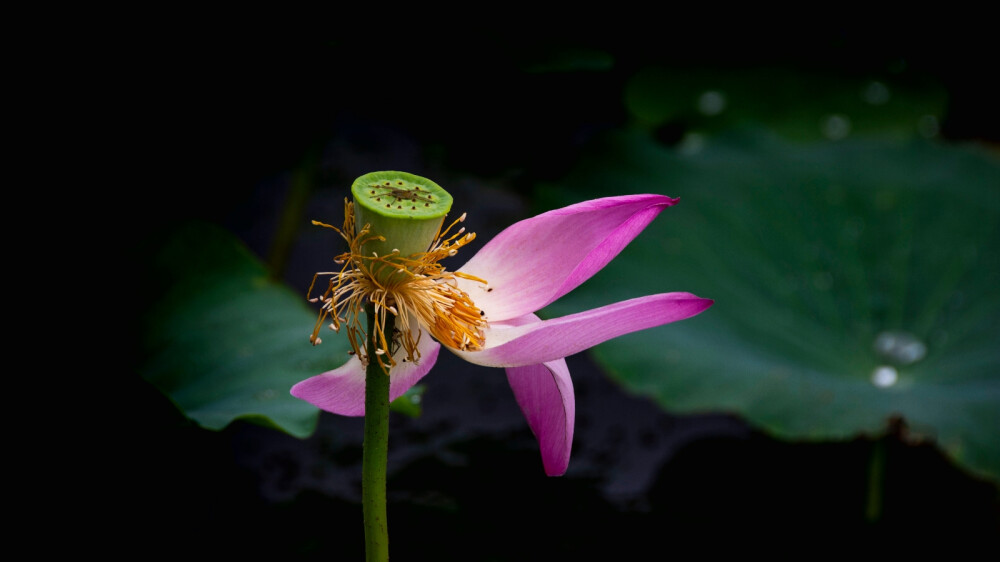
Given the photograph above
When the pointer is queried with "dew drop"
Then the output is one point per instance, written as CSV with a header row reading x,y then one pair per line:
x,y
712,102
884,376
691,144
835,127
875,93
901,348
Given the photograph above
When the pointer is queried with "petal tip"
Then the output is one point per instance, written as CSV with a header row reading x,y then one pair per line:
x,y
701,304
670,201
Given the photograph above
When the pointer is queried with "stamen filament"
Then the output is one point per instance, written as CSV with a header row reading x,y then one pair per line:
x,y
414,287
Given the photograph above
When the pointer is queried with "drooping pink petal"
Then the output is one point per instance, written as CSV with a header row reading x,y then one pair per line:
x,y
537,260
529,341
545,394
342,390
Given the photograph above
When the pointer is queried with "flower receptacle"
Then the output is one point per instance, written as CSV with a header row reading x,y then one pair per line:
x,y
404,209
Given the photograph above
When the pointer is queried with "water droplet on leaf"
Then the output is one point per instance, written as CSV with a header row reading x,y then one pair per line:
x,y
884,376
712,102
901,348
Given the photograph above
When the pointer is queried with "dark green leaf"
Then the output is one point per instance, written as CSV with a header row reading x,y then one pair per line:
x,y
225,342
827,262
409,403
797,104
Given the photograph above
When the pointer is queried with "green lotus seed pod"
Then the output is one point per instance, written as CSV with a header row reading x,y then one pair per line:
x,y
405,209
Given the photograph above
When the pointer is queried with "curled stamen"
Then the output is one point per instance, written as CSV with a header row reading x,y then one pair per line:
x,y
418,289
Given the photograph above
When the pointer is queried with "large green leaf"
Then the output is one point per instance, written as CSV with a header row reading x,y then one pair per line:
x,y
795,103
835,267
222,340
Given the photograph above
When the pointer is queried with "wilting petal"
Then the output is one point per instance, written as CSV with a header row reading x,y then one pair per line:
x,y
537,260
545,394
342,390
529,341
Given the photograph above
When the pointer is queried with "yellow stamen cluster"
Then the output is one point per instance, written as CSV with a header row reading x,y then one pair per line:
x,y
414,289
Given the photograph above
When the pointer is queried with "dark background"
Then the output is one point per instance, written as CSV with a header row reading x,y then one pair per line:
x,y
477,111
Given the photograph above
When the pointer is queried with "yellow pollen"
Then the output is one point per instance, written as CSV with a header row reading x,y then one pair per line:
x,y
419,290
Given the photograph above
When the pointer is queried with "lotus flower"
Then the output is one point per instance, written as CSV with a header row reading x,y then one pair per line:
x,y
488,314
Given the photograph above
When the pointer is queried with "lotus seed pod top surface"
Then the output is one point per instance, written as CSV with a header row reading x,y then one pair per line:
x,y
406,209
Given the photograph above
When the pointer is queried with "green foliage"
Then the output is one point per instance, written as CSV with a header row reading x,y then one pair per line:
x,y
811,252
222,340
409,403
801,105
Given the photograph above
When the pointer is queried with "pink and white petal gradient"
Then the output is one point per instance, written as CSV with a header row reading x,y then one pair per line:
x,y
528,266
529,340
342,390
535,261
545,394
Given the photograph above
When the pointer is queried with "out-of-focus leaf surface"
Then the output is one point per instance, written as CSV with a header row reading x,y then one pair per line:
x,y
812,252
409,403
567,59
799,105
222,340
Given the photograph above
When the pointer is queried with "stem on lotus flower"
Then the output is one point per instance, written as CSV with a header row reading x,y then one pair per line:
x,y
876,481
404,214
375,447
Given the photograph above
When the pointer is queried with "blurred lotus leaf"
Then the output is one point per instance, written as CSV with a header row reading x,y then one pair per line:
x,y
796,104
223,341
855,282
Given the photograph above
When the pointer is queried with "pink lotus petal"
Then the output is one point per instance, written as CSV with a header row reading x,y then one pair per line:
x,y
537,260
545,394
528,266
527,341
342,390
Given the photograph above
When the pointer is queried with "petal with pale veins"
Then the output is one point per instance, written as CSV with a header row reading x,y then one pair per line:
x,y
545,394
535,261
342,390
529,341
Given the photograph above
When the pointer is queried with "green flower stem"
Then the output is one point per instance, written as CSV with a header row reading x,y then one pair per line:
x,y
404,213
375,448
876,481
